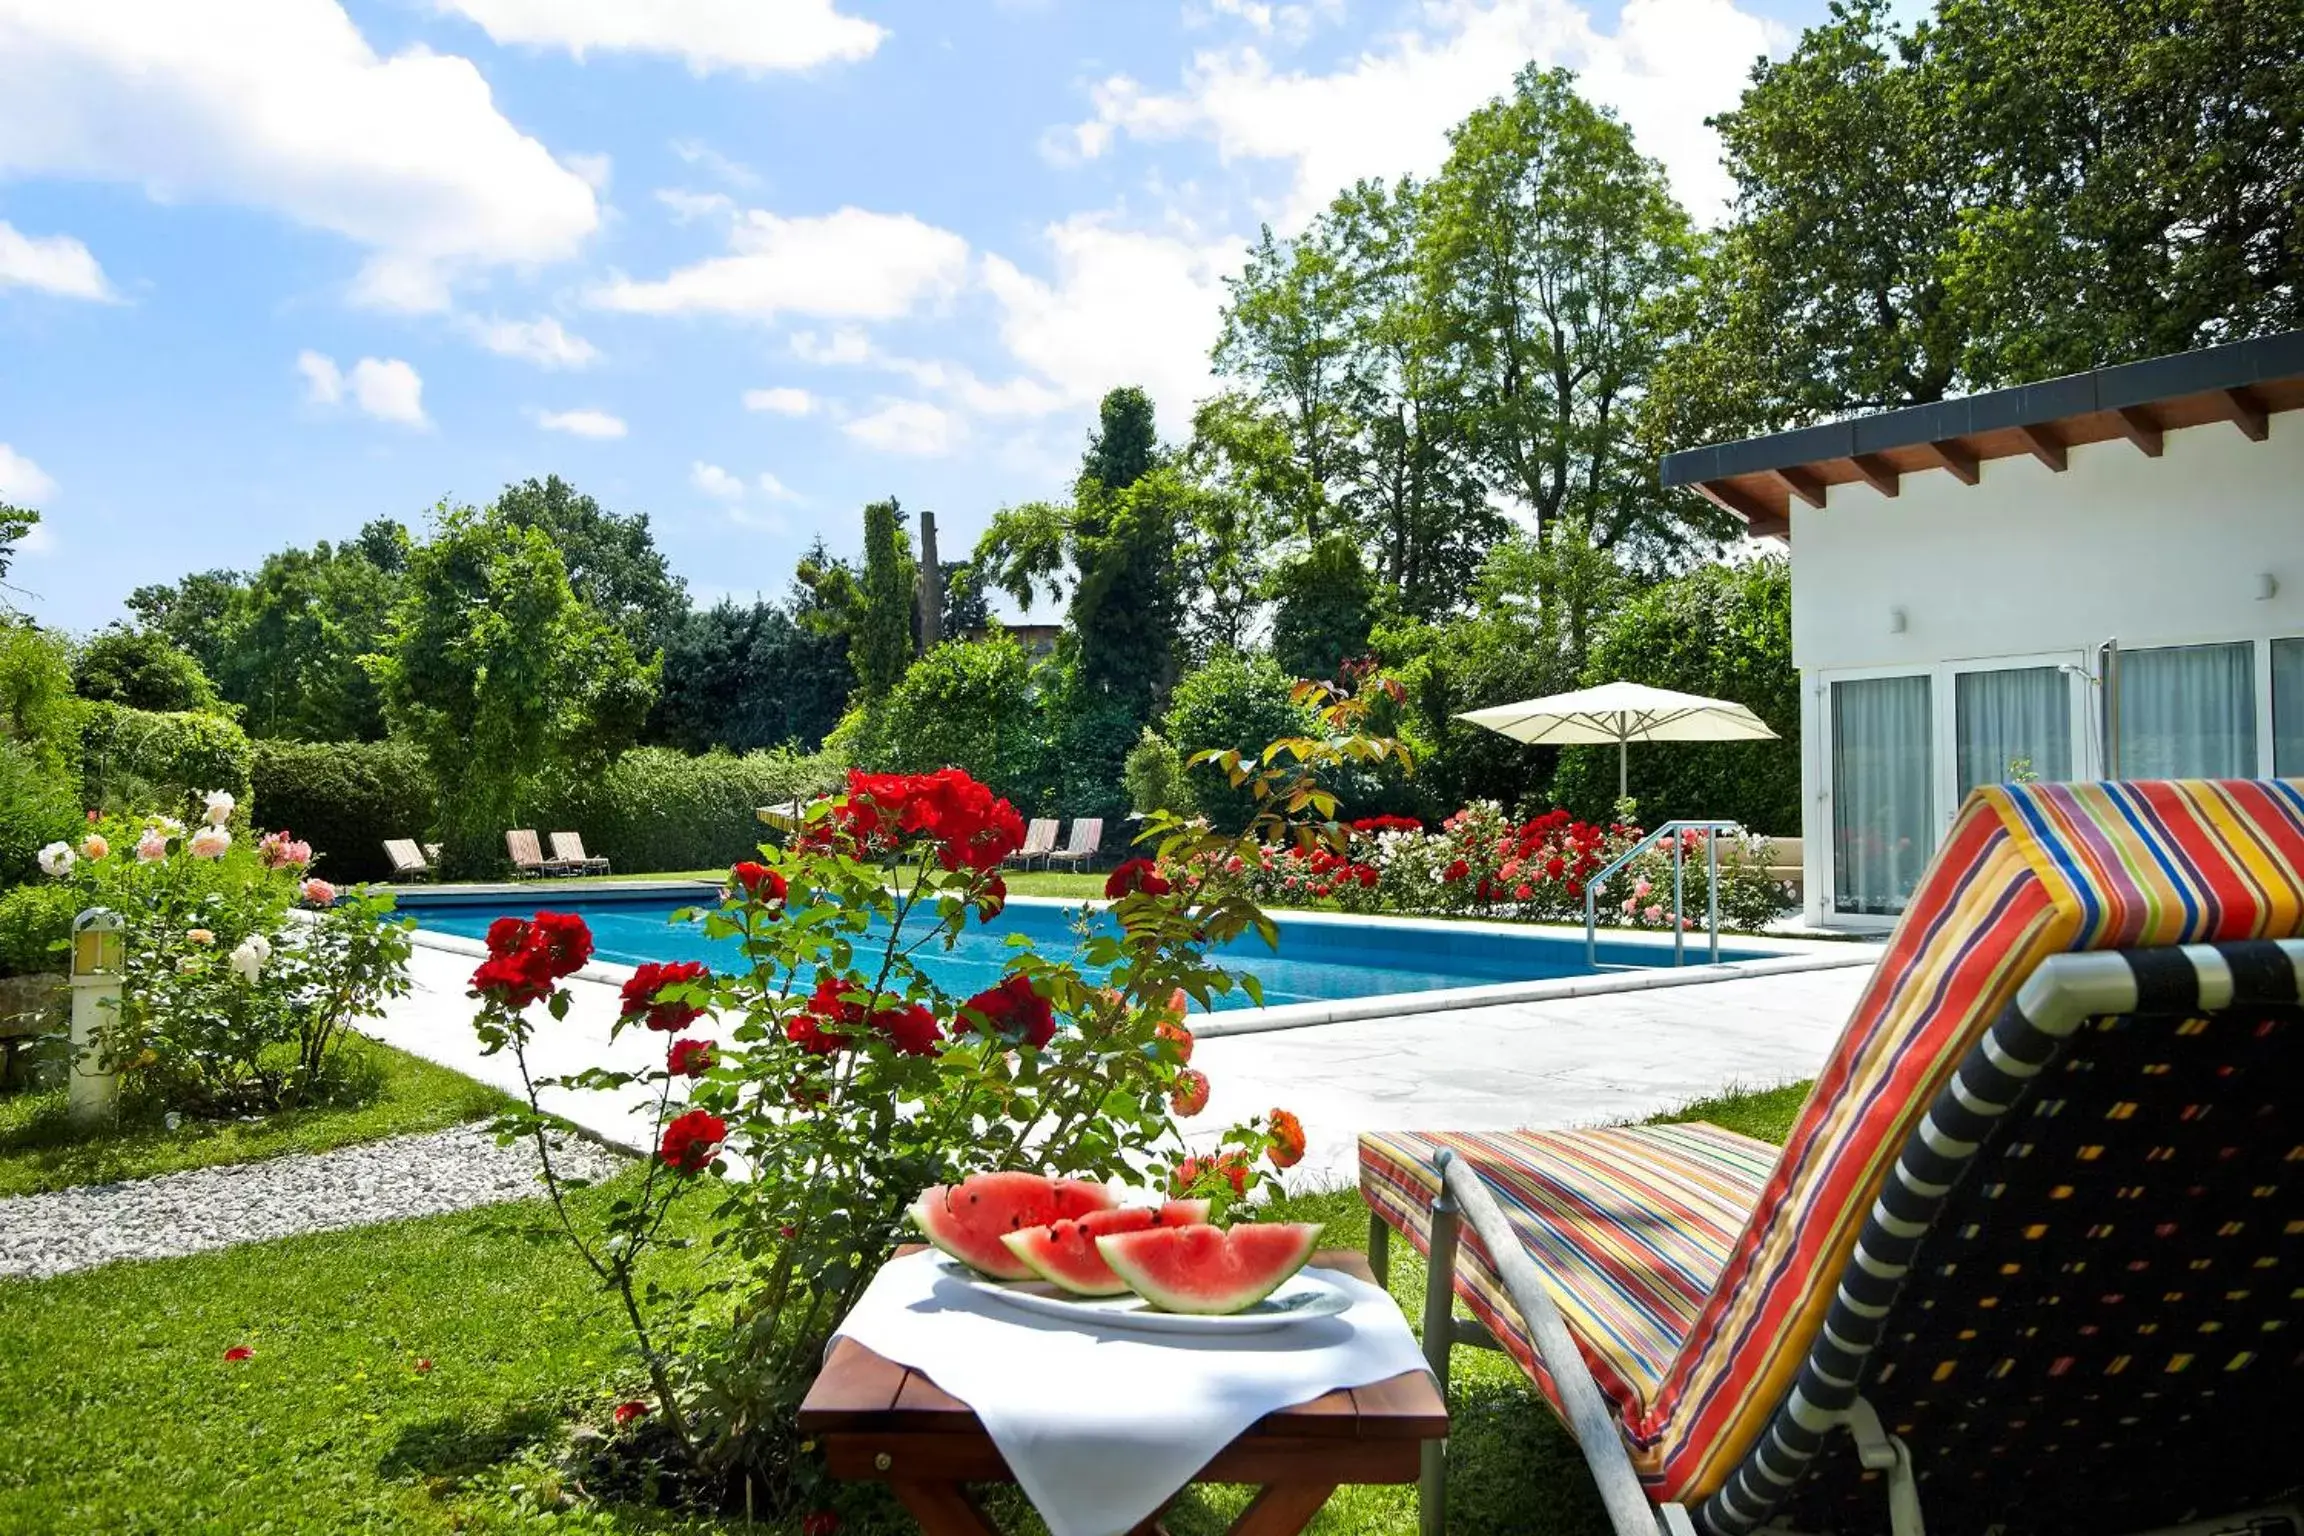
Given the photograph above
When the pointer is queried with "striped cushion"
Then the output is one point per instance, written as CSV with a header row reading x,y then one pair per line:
x,y
1633,1223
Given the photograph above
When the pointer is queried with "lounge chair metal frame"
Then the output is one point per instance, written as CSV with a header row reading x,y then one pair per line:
x,y
1938,1214
1083,847
1039,842
540,867
568,850
424,866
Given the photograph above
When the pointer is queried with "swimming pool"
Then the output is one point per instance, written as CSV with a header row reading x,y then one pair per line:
x,y
1321,957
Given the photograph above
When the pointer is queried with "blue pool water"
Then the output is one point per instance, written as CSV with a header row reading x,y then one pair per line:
x,y
1317,960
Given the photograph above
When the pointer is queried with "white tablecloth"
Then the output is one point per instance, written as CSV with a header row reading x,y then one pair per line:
x,y
1100,1425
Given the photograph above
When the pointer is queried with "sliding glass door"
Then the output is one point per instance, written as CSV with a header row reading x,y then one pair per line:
x,y
2288,708
2011,724
2188,712
1883,802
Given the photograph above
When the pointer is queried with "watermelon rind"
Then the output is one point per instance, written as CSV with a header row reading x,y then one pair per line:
x,y
1064,1253
968,1219
1179,1269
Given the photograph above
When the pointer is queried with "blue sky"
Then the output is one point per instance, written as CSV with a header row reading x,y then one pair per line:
x,y
271,268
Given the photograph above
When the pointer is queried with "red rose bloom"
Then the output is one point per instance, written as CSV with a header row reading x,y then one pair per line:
x,y
1013,1009
526,959
1167,1030
691,1058
627,1412
1287,1149
506,935
692,1140
1456,870
1189,1094
993,900
820,1522
1230,1167
563,939
758,883
807,1028
237,1353
1136,875
912,1029
640,994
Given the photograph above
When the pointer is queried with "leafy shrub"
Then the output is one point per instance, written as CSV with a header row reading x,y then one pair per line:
x,y
1725,632
130,754
1324,603
1445,669
37,708
142,669
37,807
345,798
35,922
966,704
1154,777
1236,704
655,809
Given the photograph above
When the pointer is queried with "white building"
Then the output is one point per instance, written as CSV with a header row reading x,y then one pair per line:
x,y
2096,576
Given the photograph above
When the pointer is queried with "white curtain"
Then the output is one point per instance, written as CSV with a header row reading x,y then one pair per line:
x,y
2015,723
1883,811
2188,712
2288,708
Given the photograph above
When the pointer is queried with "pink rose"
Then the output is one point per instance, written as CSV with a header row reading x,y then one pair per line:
x,y
1654,914
210,842
318,892
152,847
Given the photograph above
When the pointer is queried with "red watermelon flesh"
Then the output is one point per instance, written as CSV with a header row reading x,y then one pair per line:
x,y
1064,1253
1209,1270
968,1219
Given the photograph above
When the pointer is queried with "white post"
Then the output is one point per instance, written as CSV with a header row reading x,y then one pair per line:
x,y
96,964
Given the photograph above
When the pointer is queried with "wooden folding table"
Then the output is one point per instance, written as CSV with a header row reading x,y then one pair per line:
x,y
879,1420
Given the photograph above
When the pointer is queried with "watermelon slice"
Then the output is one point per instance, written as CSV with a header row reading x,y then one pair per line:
x,y
1064,1253
968,1219
1209,1270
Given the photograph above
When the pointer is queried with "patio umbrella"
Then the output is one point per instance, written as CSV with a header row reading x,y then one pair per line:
x,y
1622,713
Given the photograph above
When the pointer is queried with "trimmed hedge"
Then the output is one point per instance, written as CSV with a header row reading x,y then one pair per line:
x,y
138,760
36,808
345,798
34,921
655,809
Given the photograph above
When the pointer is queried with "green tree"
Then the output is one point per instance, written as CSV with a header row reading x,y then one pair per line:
x,y
1324,605
967,704
1288,334
142,669
1558,258
500,675
1233,703
882,647
1125,447
37,707
967,607
194,612
613,563
293,639
16,524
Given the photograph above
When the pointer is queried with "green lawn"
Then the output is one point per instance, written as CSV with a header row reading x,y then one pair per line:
x,y
118,1379
1037,882
397,1093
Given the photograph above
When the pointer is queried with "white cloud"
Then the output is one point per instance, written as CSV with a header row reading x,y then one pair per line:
x,y
597,170
687,207
846,345
383,387
704,157
56,264
282,105
23,482
543,341
1124,307
783,400
1290,23
1667,66
913,427
850,347
776,490
581,423
715,482
849,265
707,34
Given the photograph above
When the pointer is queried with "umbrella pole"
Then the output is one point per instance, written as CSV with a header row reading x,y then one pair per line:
x,y
1622,748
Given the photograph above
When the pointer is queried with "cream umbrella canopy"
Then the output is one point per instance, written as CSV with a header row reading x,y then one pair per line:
x,y
1621,713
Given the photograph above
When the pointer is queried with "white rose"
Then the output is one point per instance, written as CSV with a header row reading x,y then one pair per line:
x,y
220,803
210,843
57,859
249,957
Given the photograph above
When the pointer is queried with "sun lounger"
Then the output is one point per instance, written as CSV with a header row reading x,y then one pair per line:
x,y
568,850
1039,840
408,862
2030,1257
1087,839
528,861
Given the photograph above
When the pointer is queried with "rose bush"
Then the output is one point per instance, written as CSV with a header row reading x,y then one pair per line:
x,y
843,1079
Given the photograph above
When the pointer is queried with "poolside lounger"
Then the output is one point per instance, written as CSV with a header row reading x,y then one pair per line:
x,y
408,863
568,849
1039,840
2033,1255
528,861
1087,839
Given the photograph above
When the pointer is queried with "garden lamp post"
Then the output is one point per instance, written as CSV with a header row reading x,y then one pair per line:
x,y
97,952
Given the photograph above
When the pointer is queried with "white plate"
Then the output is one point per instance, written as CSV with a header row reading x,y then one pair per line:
x,y
1305,1295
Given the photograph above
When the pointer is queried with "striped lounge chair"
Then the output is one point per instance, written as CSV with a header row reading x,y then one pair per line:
x,y
2033,1256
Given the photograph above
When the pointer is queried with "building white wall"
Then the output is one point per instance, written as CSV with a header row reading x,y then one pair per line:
x,y
2030,562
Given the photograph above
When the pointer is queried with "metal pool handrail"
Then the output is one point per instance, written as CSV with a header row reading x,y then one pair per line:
x,y
1671,829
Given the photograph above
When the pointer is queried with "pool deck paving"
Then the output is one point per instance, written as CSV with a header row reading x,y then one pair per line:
x,y
1558,1062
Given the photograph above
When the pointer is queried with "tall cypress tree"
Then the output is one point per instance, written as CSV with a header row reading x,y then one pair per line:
x,y
882,645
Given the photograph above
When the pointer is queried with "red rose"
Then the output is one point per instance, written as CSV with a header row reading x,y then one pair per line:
x,y
237,1353
1134,876
820,1522
691,1058
1287,1149
1456,870
506,935
993,900
1523,891
1013,1009
516,979
640,994
627,1412
1170,1030
525,959
563,939
1189,1094
692,1140
912,1029
1230,1167
759,883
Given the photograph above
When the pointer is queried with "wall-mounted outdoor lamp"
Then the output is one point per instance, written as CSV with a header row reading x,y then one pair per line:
x,y
98,955
2267,586
1896,621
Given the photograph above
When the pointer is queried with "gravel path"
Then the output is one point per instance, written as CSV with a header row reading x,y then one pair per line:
x,y
204,1208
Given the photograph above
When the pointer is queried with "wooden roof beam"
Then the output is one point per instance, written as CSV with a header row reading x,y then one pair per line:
x,y
2137,425
2244,410
2046,446
1760,520
1878,473
1955,456
1802,483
